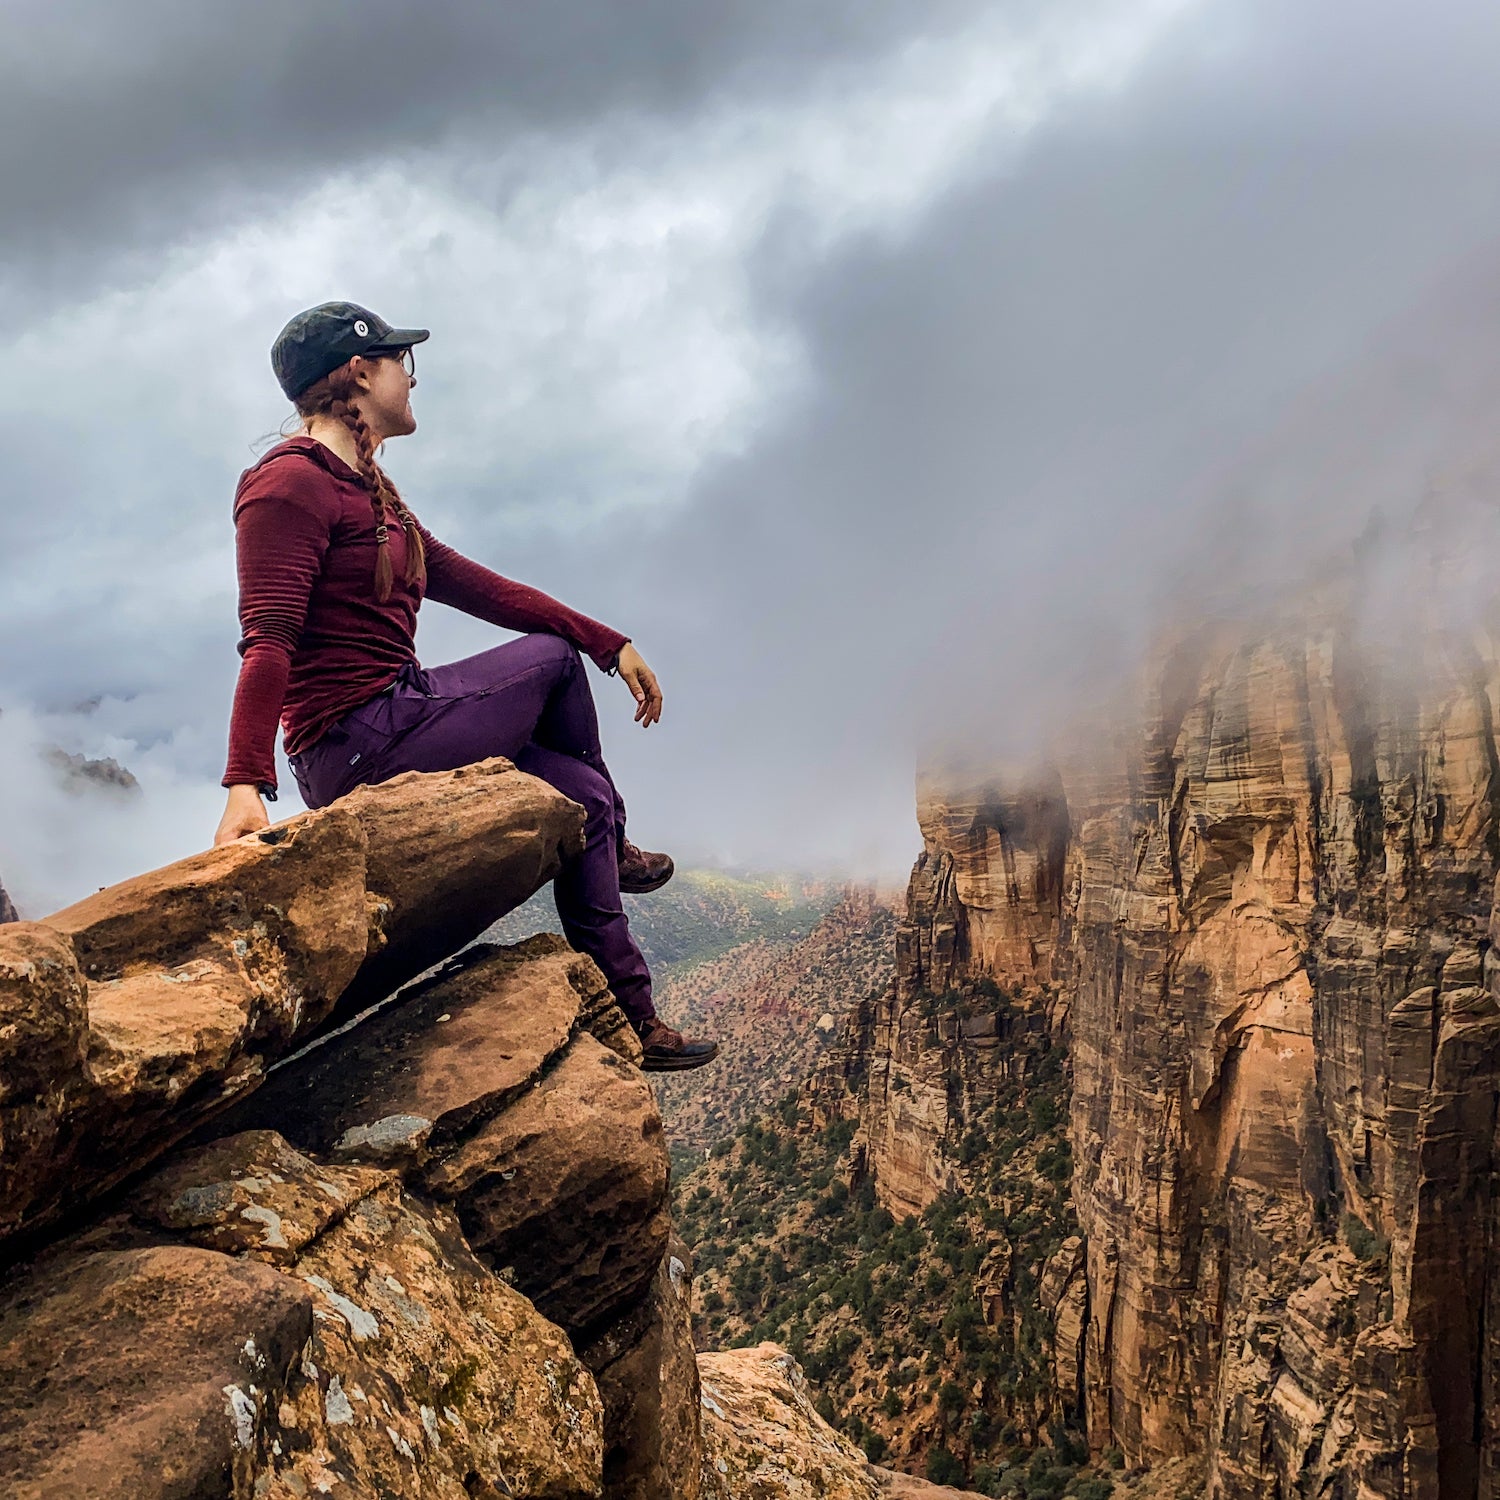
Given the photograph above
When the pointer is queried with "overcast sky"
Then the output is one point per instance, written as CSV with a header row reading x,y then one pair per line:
x,y
886,371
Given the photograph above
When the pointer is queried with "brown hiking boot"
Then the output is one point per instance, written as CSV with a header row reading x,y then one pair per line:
x,y
641,871
668,1051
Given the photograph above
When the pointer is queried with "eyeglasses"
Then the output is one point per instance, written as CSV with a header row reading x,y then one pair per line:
x,y
407,357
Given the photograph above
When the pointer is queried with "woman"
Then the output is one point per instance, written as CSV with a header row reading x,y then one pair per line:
x,y
332,569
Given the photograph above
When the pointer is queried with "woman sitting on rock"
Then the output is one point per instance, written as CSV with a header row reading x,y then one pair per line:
x,y
332,569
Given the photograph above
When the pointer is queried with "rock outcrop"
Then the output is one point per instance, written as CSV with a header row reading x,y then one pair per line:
x,y
486,1089
984,901
8,912
129,1018
1266,935
648,1379
290,1326
429,1254
763,1437
81,773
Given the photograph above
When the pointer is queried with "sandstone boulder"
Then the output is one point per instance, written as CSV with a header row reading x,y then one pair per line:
x,y
448,855
130,1017
144,1373
482,1086
909,1487
647,1374
43,1072
252,1195
762,1439
568,1187
373,1355
453,1051
428,1376
283,912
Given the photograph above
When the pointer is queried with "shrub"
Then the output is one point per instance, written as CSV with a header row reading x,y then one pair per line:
x,y
1365,1243
1043,1112
943,1467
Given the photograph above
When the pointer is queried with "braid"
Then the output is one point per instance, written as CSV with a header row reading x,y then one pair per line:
x,y
331,397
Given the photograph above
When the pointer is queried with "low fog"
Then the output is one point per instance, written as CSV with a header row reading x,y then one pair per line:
x,y
891,380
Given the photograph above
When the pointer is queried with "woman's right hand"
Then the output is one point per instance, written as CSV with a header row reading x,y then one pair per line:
x,y
245,813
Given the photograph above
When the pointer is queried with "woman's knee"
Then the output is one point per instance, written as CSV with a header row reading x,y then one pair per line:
x,y
555,651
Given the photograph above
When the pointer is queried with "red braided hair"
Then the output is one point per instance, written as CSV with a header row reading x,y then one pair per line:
x,y
331,397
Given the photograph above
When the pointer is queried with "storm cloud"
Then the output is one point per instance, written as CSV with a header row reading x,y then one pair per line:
x,y
887,374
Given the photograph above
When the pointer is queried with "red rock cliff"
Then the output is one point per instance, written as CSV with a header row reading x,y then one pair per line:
x,y
1267,929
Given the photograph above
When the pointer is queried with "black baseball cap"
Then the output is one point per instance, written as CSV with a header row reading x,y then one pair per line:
x,y
319,340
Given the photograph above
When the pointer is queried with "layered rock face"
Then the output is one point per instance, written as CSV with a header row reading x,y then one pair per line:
x,y
1284,1040
985,901
1267,931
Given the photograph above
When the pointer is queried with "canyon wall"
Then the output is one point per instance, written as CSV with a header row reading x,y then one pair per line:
x,y
1265,931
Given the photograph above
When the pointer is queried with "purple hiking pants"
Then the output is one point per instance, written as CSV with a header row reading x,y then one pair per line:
x,y
528,700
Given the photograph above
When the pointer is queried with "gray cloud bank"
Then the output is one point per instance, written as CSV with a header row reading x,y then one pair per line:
x,y
135,120
875,451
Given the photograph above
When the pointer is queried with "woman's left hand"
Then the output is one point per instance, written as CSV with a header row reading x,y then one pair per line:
x,y
641,681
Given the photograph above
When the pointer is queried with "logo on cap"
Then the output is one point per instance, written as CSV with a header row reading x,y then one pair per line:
x,y
361,327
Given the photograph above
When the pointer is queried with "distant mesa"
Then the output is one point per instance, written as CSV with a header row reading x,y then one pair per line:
x,y
79,772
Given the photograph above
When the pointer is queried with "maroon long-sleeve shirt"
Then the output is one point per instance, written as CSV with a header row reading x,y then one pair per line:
x,y
315,641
